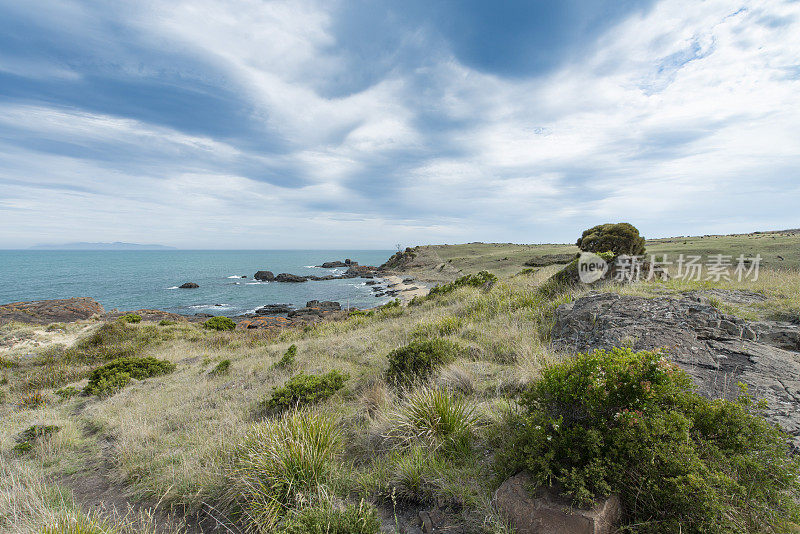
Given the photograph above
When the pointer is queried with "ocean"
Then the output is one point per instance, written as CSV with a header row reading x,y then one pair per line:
x,y
131,280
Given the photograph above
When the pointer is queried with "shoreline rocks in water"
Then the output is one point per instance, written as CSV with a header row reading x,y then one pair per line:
x,y
264,276
274,308
188,285
287,277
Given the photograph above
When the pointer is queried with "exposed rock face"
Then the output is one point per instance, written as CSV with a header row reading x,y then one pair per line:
x,y
188,285
546,512
315,309
332,264
274,308
264,276
716,349
50,311
286,277
324,305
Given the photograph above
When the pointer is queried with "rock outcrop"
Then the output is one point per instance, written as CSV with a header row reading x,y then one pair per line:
x,y
264,276
50,311
287,277
188,285
718,350
547,512
270,309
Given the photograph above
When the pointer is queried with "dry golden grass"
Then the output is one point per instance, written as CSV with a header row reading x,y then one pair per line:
x,y
173,439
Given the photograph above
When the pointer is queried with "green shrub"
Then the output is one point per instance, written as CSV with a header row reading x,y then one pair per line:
x,y
470,280
115,375
220,323
288,359
221,368
629,423
418,360
167,322
620,238
361,313
281,464
5,364
131,318
31,435
303,389
360,519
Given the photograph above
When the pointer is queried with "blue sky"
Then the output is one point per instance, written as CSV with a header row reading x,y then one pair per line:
x,y
362,124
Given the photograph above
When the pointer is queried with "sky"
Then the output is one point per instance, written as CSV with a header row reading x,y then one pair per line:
x,y
359,124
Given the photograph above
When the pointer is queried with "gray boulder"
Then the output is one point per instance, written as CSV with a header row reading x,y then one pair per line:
x,y
546,512
264,276
286,277
188,285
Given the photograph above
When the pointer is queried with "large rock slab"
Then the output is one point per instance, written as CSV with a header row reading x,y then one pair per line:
x,y
718,350
546,512
50,311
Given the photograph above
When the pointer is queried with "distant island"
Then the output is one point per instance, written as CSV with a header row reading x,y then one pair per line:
x,y
117,245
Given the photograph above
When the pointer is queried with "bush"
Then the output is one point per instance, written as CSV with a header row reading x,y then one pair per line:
x,y
304,389
418,360
470,280
220,324
221,368
282,464
131,318
31,435
620,238
361,519
167,322
115,375
629,423
435,416
288,359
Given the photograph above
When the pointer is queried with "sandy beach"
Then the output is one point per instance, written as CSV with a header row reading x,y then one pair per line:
x,y
405,292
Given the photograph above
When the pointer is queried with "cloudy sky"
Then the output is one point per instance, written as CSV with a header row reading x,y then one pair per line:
x,y
362,124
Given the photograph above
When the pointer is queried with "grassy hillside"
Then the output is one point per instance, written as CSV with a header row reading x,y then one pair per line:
x,y
211,441
438,263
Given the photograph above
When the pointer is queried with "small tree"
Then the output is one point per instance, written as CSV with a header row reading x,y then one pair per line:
x,y
620,238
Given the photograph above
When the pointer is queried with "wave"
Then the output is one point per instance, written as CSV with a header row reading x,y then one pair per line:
x,y
235,276
173,287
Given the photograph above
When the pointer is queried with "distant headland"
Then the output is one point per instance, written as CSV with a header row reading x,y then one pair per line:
x,y
117,245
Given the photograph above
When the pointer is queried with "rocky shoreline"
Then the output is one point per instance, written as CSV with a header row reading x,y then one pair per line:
x,y
271,315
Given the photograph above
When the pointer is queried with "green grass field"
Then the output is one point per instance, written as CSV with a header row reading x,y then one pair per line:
x,y
437,263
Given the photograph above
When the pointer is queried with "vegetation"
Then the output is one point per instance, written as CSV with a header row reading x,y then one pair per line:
x,y
31,435
289,358
353,519
113,376
620,238
303,389
390,441
626,423
281,466
220,323
221,368
483,278
418,360
131,318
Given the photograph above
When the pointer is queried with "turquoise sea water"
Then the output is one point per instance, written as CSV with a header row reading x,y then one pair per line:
x,y
130,280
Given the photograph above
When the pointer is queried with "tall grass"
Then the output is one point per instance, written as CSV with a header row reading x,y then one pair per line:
x,y
282,465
